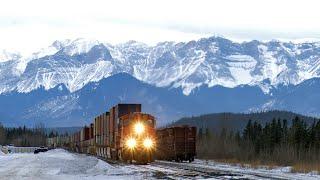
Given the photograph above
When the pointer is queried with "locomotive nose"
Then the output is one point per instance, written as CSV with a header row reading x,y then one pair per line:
x,y
131,143
138,128
148,143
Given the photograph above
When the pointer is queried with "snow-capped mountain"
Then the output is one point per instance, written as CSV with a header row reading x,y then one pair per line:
x,y
208,61
6,55
73,80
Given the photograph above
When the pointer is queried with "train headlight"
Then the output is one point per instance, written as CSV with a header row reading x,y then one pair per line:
x,y
148,143
131,143
139,128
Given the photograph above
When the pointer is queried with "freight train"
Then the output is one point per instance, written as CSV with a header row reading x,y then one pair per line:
x,y
125,133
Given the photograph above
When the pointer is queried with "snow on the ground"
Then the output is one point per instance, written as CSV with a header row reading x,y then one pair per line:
x,y
60,165
277,172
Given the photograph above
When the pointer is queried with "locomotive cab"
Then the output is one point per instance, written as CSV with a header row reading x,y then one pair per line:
x,y
137,142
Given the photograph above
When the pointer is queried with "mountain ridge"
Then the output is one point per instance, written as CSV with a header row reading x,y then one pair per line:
x,y
207,61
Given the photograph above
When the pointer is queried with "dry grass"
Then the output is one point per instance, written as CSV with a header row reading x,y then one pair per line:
x,y
303,167
229,161
300,167
229,151
252,163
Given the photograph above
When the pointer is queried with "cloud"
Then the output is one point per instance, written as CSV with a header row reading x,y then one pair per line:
x,y
30,25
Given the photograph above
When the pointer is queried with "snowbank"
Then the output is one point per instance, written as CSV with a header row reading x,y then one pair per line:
x,y
1,152
59,165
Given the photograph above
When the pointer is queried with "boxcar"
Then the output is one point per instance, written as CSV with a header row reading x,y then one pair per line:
x,y
176,143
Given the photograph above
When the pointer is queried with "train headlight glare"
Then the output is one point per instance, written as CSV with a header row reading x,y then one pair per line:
x,y
148,143
139,128
131,143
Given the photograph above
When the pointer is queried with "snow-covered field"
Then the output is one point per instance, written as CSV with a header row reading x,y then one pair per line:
x,y
59,165
62,165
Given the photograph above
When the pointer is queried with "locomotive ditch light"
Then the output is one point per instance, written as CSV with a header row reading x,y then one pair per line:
x,y
139,128
148,143
131,143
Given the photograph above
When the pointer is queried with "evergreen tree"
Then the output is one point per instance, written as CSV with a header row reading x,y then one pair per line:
x,y
284,131
247,133
2,134
208,134
200,134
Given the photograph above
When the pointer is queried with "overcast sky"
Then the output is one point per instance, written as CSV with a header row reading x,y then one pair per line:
x,y
28,25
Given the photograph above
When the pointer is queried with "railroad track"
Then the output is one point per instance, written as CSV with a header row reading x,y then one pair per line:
x,y
202,172
158,171
219,173
168,170
163,172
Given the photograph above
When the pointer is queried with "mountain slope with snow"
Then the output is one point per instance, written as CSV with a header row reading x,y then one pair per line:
x,y
208,61
57,107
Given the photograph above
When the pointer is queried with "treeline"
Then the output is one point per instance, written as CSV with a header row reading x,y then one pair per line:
x,y
237,121
275,142
22,136
299,136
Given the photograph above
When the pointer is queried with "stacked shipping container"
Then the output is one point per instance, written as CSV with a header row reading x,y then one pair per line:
x,y
101,134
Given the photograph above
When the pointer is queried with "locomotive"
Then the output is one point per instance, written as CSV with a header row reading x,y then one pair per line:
x,y
138,142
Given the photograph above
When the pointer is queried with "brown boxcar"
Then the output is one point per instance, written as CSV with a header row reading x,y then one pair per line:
x,y
104,135
100,134
77,141
84,139
91,148
176,143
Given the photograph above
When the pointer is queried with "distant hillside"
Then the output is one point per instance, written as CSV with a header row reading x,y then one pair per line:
x,y
237,121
